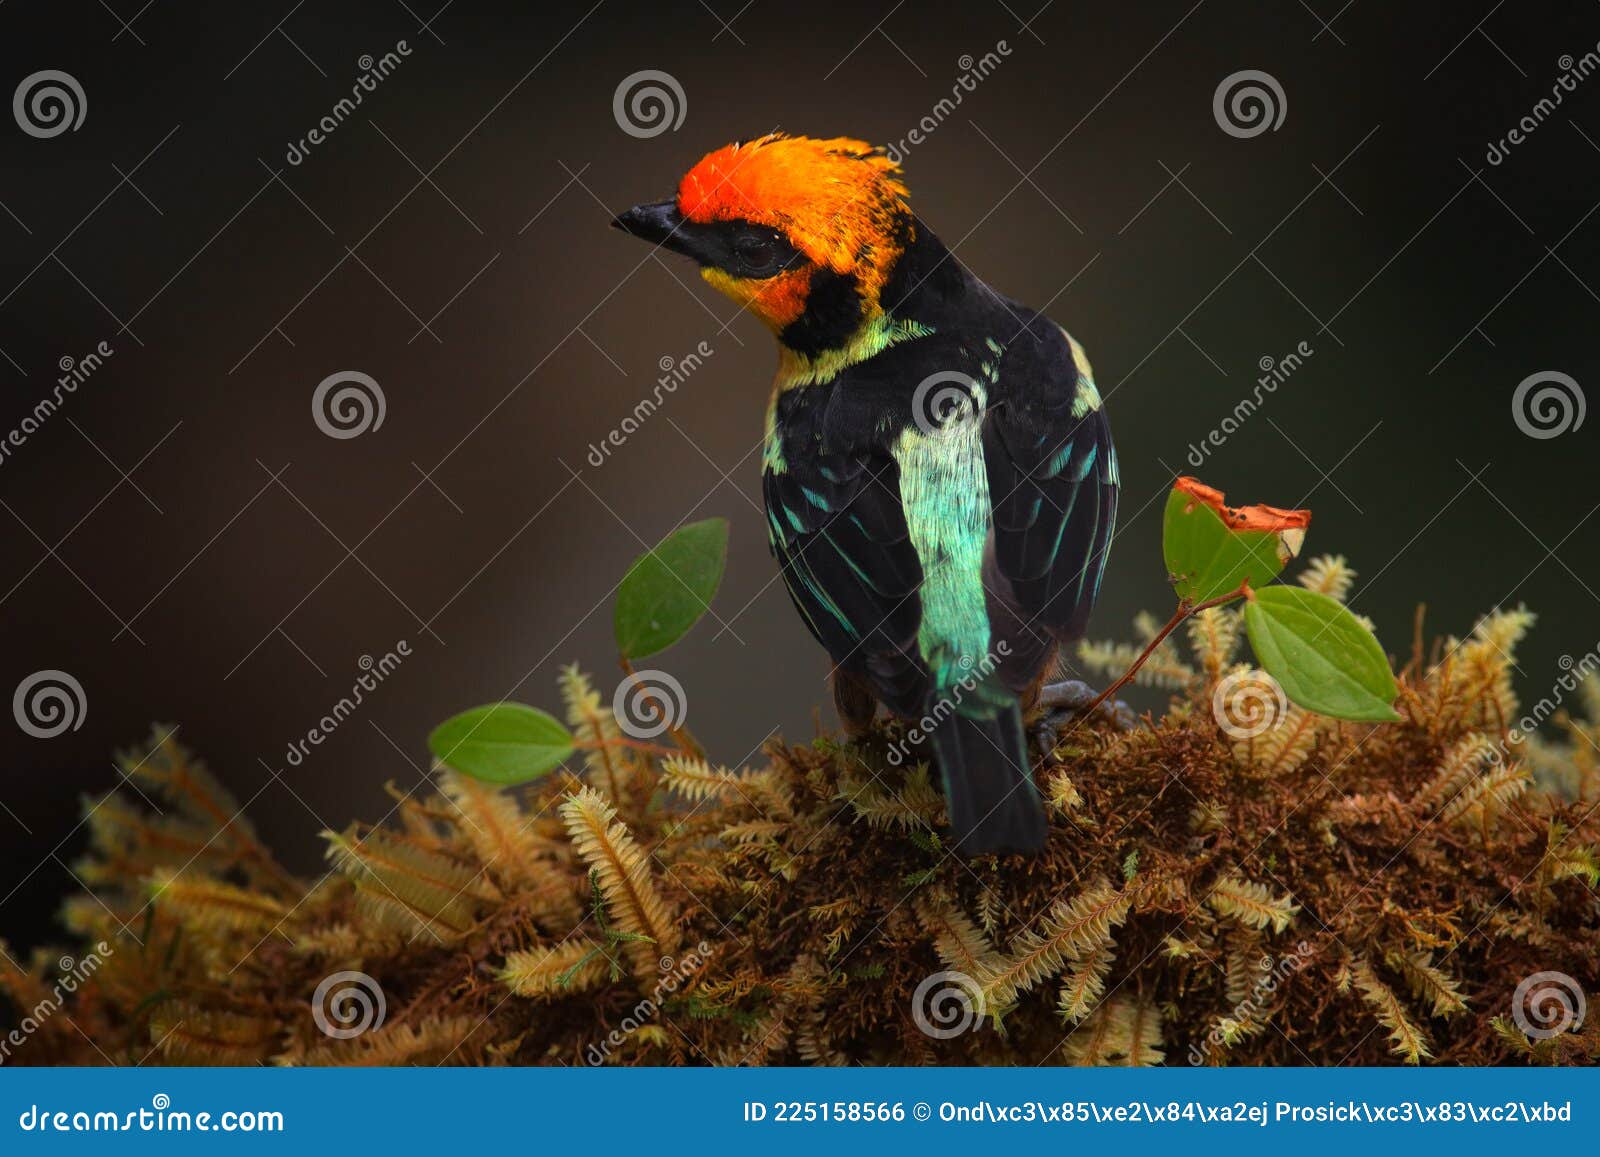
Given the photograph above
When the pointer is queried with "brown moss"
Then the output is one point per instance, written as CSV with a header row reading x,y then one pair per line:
x,y
1337,894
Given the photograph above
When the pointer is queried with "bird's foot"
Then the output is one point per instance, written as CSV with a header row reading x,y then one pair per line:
x,y
1067,702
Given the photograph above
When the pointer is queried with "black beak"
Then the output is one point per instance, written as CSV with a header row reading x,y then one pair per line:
x,y
659,222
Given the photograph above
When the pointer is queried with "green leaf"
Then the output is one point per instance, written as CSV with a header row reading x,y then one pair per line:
x,y
501,743
1325,660
1211,549
666,591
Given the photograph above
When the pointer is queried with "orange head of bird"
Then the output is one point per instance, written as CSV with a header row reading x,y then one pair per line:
x,y
804,233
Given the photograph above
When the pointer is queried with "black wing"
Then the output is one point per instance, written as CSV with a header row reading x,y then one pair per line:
x,y
838,531
1053,480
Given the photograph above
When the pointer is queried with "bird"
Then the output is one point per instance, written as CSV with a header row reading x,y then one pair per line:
x,y
937,467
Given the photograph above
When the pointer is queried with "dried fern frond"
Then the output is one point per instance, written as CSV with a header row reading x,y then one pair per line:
x,y
772,1030
839,919
28,991
624,877
342,942
1504,630
432,1041
1463,762
698,782
1177,948
1124,1031
1409,1042
1329,574
499,832
1086,982
1479,803
1281,748
814,1043
1472,684
1208,817
611,767
165,768
1245,963
1214,638
1164,668
184,1034
505,841
1136,1035
958,941
407,887
132,844
1251,904
990,908
1512,1037
425,824
211,904
574,966
915,805
1429,983
1567,770
755,831
1061,794
1064,934
1566,859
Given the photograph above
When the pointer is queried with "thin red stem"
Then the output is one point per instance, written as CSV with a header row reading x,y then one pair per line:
x,y
635,744
1185,609
687,743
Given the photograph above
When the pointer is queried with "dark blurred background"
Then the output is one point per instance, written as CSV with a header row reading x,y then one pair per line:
x,y
184,541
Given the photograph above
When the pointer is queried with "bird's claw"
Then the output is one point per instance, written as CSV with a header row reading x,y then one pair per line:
x,y
1067,701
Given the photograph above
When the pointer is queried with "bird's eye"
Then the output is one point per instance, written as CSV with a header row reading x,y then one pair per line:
x,y
756,254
